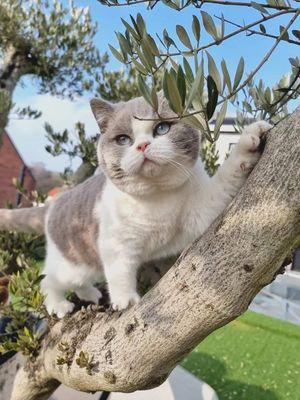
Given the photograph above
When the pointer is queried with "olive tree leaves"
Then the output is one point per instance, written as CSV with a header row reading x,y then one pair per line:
x,y
196,85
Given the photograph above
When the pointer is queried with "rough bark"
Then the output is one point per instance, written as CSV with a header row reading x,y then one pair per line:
x,y
210,284
8,372
13,67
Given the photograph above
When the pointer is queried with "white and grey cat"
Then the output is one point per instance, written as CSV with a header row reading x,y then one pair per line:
x,y
152,200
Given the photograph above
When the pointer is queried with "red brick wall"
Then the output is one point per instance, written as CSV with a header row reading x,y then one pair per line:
x,y
11,165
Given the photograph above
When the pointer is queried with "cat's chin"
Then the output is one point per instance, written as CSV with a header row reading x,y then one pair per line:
x,y
150,168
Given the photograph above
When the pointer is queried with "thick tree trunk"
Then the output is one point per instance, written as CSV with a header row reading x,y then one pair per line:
x,y
211,283
12,68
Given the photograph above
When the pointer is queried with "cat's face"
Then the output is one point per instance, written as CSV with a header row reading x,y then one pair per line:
x,y
140,154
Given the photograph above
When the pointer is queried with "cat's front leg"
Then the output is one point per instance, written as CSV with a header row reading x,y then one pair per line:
x,y
121,274
247,151
122,282
231,176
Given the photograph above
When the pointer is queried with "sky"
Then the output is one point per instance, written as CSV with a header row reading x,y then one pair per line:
x,y
29,135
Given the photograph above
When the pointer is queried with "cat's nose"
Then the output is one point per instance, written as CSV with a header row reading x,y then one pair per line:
x,y
142,146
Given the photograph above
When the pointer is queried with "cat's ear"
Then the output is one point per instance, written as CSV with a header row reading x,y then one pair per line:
x,y
102,111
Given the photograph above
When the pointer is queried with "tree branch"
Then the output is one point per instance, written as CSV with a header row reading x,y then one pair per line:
x,y
211,283
197,4
250,32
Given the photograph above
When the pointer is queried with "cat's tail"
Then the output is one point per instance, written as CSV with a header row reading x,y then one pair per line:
x,y
30,220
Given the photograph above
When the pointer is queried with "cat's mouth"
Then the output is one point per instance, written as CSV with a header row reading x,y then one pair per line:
x,y
148,161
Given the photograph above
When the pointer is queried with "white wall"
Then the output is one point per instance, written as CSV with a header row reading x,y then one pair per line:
x,y
226,139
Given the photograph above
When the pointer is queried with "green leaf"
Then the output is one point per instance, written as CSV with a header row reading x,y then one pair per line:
x,y
247,106
144,60
144,89
152,45
170,4
141,24
148,53
259,7
239,73
139,67
213,72
116,54
168,41
294,62
262,28
283,32
181,84
226,77
174,64
124,44
209,25
136,26
194,122
268,95
222,27
196,28
173,72
194,87
220,119
165,85
130,29
188,71
296,33
154,98
39,279
175,101
212,93
183,36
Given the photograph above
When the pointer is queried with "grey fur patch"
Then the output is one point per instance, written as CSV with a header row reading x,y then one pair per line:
x,y
72,224
186,139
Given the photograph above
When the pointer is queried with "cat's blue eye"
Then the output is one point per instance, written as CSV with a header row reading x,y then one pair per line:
x,y
162,129
123,140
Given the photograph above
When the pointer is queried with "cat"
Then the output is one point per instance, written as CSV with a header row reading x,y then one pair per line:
x,y
151,199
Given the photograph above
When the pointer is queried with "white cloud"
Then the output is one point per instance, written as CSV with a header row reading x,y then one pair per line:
x,y
29,135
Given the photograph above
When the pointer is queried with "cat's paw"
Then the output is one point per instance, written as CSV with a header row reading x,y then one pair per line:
x,y
61,308
251,137
248,148
122,302
89,293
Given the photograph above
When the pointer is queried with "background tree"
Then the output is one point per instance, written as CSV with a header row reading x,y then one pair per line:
x,y
49,42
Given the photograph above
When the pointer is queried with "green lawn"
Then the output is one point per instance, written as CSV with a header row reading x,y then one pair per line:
x,y
252,358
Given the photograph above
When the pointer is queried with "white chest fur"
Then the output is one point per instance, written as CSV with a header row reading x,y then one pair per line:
x,y
153,226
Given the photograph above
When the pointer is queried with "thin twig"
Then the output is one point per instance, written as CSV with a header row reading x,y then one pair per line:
x,y
195,4
243,4
253,32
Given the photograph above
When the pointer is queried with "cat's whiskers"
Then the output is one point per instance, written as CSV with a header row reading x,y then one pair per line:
x,y
186,172
165,153
134,163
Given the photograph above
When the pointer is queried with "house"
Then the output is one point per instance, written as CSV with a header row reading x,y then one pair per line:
x,y
13,166
228,138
